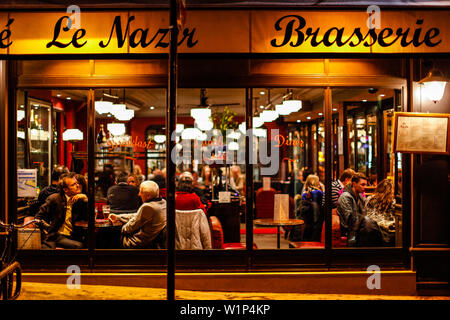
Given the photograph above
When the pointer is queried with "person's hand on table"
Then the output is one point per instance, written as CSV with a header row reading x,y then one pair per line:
x,y
113,218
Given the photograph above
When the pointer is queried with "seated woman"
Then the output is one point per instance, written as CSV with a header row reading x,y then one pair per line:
x,y
310,208
380,208
206,178
185,197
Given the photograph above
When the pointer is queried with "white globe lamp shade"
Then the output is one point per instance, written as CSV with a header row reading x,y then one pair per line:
x,y
200,113
257,122
282,109
242,128
159,138
116,129
124,115
233,146
103,107
434,90
268,115
179,127
204,125
293,105
72,135
259,132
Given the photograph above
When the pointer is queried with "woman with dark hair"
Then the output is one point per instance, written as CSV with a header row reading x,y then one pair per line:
x,y
380,208
185,198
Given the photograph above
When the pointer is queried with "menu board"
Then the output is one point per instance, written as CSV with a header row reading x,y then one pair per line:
x,y
422,133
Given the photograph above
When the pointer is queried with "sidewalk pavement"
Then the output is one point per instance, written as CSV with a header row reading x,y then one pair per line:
x,y
46,291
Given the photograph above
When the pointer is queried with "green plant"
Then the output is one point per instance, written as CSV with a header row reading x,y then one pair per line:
x,y
223,121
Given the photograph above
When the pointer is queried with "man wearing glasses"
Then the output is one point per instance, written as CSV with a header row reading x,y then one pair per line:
x,y
61,210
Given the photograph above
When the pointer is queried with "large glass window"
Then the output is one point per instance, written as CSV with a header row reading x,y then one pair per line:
x,y
369,126
51,139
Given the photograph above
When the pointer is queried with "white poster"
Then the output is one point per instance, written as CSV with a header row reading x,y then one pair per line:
x,y
27,183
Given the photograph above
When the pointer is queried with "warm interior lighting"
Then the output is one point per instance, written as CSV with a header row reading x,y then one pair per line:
x,y
232,146
293,105
434,85
116,129
20,115
72,135
204,124
268,115
282,109
179,127
242,127
200,113
102,107
259,132
159,138
257,122
124,115
234,135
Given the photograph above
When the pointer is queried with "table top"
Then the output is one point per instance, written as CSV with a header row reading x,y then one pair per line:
x,y
99,223
272,222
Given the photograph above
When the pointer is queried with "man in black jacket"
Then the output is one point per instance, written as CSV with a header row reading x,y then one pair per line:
x,y
122,197
61,210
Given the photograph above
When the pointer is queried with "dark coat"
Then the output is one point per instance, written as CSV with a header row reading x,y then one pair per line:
x,y
53,211
123,197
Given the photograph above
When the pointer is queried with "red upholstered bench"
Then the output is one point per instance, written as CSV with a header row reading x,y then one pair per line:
x,y
217,237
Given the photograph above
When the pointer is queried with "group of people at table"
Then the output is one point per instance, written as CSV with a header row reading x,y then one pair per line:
x,y
366,220
139,206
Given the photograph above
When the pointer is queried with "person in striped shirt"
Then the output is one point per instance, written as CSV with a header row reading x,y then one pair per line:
x,y
339,184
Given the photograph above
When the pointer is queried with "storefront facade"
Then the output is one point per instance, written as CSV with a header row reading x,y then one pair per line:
x,y
241,53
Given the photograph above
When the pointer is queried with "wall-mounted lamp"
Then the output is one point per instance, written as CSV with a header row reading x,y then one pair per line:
x,y
434,85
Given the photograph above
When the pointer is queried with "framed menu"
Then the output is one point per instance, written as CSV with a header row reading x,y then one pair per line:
x,y
421,133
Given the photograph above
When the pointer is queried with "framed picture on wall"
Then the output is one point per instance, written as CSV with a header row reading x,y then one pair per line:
x,y
421,133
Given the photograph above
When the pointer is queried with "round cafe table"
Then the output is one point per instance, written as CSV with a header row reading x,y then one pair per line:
x,y
278,224
107,234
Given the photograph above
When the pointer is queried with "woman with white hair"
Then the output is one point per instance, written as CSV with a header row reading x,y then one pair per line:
x,y
147,227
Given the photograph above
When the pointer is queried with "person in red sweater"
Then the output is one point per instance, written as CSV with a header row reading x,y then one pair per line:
x,y
185,198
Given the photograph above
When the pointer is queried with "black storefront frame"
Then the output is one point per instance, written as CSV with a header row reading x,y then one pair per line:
x,y
249,259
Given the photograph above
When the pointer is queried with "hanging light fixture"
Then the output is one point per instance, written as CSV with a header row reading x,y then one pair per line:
x,y
268,115
117,108
124,115
282,109
103,107
179,127
257,122
200,113
292,105
204,124
72,135
116,129
434,85
159,138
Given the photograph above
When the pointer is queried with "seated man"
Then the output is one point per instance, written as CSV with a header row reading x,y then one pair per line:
x,y
350,207
61,210
122,197
237,180
146,228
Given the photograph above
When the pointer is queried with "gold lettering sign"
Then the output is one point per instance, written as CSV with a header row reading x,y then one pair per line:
x,y
221,31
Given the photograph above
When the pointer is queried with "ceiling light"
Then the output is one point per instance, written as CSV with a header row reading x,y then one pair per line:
x,y
309,118
116,129
282,109
159,138
364,100
381,95
257,122
234,135
262,93
200,113
117,108
334,109
152,108
68,98
258,132
232,146
103,106
299,120
261,107
72,135
58,95
293,105
320,114
124,115
268,115
434,85
204,125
